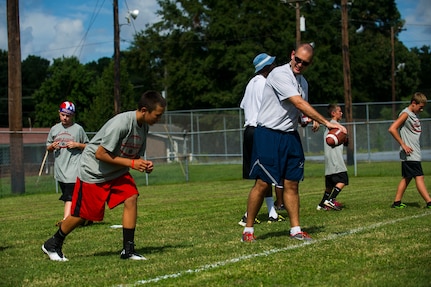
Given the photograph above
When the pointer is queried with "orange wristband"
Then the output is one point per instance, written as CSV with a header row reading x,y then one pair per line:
x,y
133,163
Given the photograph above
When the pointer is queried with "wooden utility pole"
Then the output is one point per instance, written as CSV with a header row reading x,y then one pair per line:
x,y
298,31
394,116
117,92
347,83
16,149
298,16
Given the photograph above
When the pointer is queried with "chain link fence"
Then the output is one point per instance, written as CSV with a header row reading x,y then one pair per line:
x,y
214,136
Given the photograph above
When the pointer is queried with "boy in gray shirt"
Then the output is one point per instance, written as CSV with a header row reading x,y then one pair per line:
x,y
406,130
104,176
66,140
335,169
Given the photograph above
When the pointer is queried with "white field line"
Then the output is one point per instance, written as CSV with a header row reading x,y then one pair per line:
x,y
273,251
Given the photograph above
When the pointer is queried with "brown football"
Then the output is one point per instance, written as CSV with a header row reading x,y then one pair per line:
x,y
335,137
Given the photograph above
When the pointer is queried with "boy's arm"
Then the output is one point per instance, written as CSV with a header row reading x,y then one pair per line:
x,y
394,131
139,164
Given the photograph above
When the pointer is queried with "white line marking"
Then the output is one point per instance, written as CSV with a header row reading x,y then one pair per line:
x,y
272,251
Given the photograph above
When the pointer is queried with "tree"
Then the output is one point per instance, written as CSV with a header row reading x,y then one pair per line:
x,y
67,80
201,51
34,72
101,108
424,56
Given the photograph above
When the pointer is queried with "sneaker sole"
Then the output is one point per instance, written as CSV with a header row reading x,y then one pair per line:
x,y
135,258
64,259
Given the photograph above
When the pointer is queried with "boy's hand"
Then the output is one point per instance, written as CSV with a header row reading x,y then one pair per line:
x,y
142,165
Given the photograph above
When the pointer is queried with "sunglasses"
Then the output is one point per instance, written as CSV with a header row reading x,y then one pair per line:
x,y
300,61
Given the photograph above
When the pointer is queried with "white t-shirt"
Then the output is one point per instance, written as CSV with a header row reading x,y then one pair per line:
x,y
276,111
252,100
123,137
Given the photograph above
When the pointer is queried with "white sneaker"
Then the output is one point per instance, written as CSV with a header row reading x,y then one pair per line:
x,y
54,253
129,252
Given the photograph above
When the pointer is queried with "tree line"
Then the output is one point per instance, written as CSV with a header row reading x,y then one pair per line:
x,y
200,54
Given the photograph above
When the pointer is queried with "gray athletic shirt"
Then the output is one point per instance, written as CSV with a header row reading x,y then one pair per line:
x,y
410,132
66,160
123,137
334,161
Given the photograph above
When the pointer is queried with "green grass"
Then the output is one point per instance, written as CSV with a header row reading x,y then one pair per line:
x,y
189,233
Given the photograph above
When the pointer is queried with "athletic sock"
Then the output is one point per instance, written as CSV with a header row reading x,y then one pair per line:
x,y
397,203
248,230
271,209
295,229
60,235
335,193
128,235
325,197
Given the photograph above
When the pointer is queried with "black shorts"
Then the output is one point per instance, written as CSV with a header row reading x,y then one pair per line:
x,y
66,191
332,179
411,169
247,148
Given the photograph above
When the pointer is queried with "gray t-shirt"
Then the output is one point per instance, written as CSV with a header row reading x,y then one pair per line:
x,y
66,160
123,137
410,132
334,162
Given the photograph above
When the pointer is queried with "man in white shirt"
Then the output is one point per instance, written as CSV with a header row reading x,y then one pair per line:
x,y
278,157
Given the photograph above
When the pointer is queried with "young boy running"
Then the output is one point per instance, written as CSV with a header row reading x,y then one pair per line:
x,y
104,177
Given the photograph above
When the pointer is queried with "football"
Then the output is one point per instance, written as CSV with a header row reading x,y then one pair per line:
x,y
335,137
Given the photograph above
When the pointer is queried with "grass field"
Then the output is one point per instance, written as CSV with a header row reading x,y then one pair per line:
x,y
189,233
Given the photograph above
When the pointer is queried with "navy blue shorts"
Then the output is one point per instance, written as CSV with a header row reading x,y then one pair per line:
x,y
277,156
411,169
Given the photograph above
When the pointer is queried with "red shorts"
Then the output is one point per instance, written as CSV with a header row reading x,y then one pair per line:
x,y
89,199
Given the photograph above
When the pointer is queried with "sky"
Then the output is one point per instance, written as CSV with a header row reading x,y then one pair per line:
x,y
84,28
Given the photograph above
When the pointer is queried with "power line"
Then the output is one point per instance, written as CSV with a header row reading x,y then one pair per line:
x,y
92,20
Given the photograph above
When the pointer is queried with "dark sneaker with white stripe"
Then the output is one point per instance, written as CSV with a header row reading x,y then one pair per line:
x,y
243,221
278,219
330,204
129,252
52,248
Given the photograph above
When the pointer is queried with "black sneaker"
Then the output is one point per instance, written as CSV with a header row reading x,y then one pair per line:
x,y
52,248
129,252
278,219
398,206
243,221
330,204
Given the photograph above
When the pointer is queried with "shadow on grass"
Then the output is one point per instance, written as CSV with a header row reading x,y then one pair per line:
x,y
413,204
283,233
145,250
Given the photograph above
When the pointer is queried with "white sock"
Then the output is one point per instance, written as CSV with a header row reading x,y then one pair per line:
x,y
248,230
295,229
271,209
